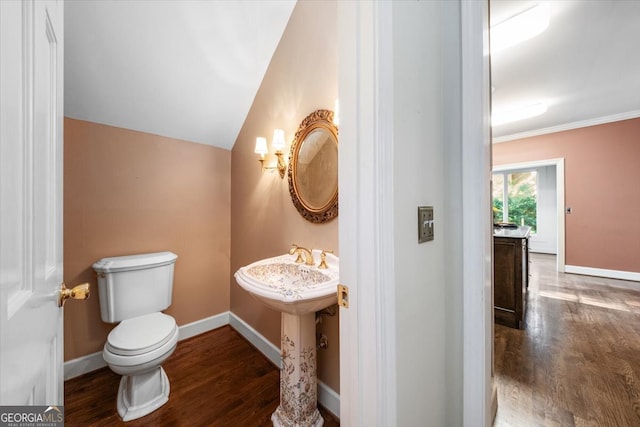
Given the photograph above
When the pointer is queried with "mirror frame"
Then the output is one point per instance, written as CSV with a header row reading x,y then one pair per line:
x,y
322,119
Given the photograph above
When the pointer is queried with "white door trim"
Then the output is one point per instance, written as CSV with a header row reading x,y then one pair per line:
x,y
367,327
560,202
477,219
367,334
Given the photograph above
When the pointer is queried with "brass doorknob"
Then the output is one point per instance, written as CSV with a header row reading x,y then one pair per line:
x,y
77,292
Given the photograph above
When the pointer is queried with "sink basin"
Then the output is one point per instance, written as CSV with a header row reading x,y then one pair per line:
x,y
288,287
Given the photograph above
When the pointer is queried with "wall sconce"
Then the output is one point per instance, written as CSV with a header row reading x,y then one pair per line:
x,y
278,145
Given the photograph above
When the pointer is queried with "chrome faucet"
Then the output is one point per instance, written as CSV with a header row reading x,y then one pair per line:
x,y
295,249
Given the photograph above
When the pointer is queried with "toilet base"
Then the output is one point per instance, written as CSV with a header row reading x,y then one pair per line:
x,y
139,395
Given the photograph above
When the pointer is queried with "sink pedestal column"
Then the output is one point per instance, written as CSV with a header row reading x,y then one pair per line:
x,y
298,382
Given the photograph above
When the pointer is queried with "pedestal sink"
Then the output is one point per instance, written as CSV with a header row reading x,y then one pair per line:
x,y
297,291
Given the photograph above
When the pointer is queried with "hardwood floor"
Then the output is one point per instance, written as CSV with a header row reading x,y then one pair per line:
x,y
577,362
217,379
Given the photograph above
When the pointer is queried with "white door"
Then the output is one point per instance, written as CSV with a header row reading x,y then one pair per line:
x,y
31,112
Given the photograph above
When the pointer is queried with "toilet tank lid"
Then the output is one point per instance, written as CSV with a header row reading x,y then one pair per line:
x,y
134,262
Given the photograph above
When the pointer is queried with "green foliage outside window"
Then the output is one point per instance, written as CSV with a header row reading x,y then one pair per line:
x,y
523,208
522,203
497,210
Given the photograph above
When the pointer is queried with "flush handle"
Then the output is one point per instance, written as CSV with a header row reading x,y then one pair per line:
x,y
77,292
343,296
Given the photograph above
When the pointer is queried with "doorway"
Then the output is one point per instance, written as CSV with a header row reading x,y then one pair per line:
x,y
527,197
550,194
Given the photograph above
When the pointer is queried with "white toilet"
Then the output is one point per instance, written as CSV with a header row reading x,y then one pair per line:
x,y
133,291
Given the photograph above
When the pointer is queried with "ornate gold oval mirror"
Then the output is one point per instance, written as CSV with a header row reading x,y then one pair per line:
x,y
313,167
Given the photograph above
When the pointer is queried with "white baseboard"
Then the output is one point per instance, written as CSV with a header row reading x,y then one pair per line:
x,y
327,397
543,250
203,325
601,272
265,346
82,365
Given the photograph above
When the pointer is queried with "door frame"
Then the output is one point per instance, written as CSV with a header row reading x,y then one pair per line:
x,y
367,327
560,199
477,217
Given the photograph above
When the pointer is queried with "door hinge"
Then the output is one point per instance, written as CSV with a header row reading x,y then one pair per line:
x,y
343,296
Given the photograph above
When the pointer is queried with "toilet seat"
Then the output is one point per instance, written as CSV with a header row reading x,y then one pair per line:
x,y
141,334
141,341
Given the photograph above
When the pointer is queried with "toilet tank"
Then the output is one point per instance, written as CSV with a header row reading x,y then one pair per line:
x,y
134,285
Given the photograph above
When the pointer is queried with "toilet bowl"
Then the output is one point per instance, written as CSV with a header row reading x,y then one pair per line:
x,y
135,349
133,290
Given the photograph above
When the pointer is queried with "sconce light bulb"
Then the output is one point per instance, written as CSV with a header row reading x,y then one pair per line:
x,y
278,140
261,146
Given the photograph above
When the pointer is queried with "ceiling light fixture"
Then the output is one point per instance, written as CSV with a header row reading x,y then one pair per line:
x,y
520,112
520,27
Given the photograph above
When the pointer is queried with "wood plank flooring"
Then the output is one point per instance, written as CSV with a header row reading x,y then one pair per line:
x,y
217,379
577,362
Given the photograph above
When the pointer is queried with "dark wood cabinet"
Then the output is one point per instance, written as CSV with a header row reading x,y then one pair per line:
x,y
510,276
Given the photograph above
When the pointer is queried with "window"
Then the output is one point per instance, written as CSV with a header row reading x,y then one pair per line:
x,y
515,198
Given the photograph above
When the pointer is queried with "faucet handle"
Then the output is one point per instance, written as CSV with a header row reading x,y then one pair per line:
x,y
323,259
296,249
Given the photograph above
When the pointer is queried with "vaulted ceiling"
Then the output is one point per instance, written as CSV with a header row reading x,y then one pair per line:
x,y
183,69
191,69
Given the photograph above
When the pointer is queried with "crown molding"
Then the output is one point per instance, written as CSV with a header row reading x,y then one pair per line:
x,y
569,126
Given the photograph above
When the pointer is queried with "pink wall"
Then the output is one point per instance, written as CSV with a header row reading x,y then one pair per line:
x,y
602,186
128,192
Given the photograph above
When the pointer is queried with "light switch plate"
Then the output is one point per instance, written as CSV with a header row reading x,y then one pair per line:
x,y
425,223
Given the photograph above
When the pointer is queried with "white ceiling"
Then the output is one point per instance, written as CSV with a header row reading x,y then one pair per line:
x,y
183,69
191,69
586,65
